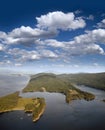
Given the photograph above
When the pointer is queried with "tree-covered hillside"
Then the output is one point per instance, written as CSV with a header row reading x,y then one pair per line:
x,y
95,80
47,82
55,83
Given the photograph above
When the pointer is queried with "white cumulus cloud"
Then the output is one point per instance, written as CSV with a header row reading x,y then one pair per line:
x,y
59,20
88,43
47,26
25,35
44,46
94,36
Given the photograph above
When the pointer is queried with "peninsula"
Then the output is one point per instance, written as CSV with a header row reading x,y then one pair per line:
x,y
54,83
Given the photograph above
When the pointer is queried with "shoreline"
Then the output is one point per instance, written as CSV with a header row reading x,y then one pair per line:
x,y
40,114
22,109
13,102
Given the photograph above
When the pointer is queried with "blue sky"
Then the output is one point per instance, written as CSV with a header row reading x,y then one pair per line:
x,y
52,36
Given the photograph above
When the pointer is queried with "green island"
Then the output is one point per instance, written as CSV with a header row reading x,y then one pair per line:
x,y
54,83
13,102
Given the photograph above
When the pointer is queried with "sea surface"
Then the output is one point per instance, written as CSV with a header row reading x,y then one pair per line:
x,y
10,83
77,115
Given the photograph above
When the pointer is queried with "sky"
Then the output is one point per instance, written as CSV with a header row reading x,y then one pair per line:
x,y
52,36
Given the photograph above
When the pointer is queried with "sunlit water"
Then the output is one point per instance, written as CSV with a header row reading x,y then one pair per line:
x,y
78,115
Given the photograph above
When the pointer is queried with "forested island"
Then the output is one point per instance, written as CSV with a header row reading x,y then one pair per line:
x,y
13,102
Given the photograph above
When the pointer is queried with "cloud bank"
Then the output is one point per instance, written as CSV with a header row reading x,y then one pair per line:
x,y
26,44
